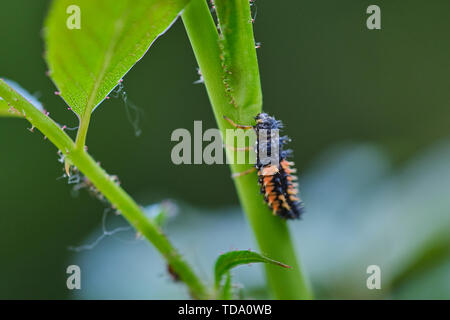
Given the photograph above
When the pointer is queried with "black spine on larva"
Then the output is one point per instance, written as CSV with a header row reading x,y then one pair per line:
x,y
284,200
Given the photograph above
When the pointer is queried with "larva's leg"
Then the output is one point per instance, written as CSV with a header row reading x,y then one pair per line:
x,y
239,126
243,173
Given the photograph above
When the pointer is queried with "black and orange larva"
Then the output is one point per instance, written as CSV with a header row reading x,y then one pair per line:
x,y
276,180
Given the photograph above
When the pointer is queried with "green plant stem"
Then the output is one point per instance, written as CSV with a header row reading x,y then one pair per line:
x,y
272,233
103,182
80,140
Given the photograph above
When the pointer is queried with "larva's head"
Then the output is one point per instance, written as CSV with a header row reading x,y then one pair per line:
x,y
264,121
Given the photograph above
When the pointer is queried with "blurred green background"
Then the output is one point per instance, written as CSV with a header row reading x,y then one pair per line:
x,y
331,80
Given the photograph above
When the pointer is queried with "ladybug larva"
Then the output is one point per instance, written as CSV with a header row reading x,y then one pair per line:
x,y
276,180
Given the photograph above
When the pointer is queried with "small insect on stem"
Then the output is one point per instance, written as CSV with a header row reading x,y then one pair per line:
x,y
276,180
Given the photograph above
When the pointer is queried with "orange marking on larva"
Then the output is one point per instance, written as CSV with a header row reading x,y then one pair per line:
x,y
275,206
284,164
285,205
267,180
269,189
269,170
271,198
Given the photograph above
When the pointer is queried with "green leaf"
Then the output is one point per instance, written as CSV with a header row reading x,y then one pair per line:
x,y
229,260
86,64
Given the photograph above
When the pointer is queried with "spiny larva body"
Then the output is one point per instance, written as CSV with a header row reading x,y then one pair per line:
x,y
276,180
275,172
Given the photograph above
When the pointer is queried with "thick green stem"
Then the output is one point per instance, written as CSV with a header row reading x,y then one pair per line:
x,y
107,186
272,233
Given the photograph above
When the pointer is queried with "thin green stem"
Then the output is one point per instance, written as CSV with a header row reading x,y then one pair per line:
x,y
107,186
229,68
80,141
